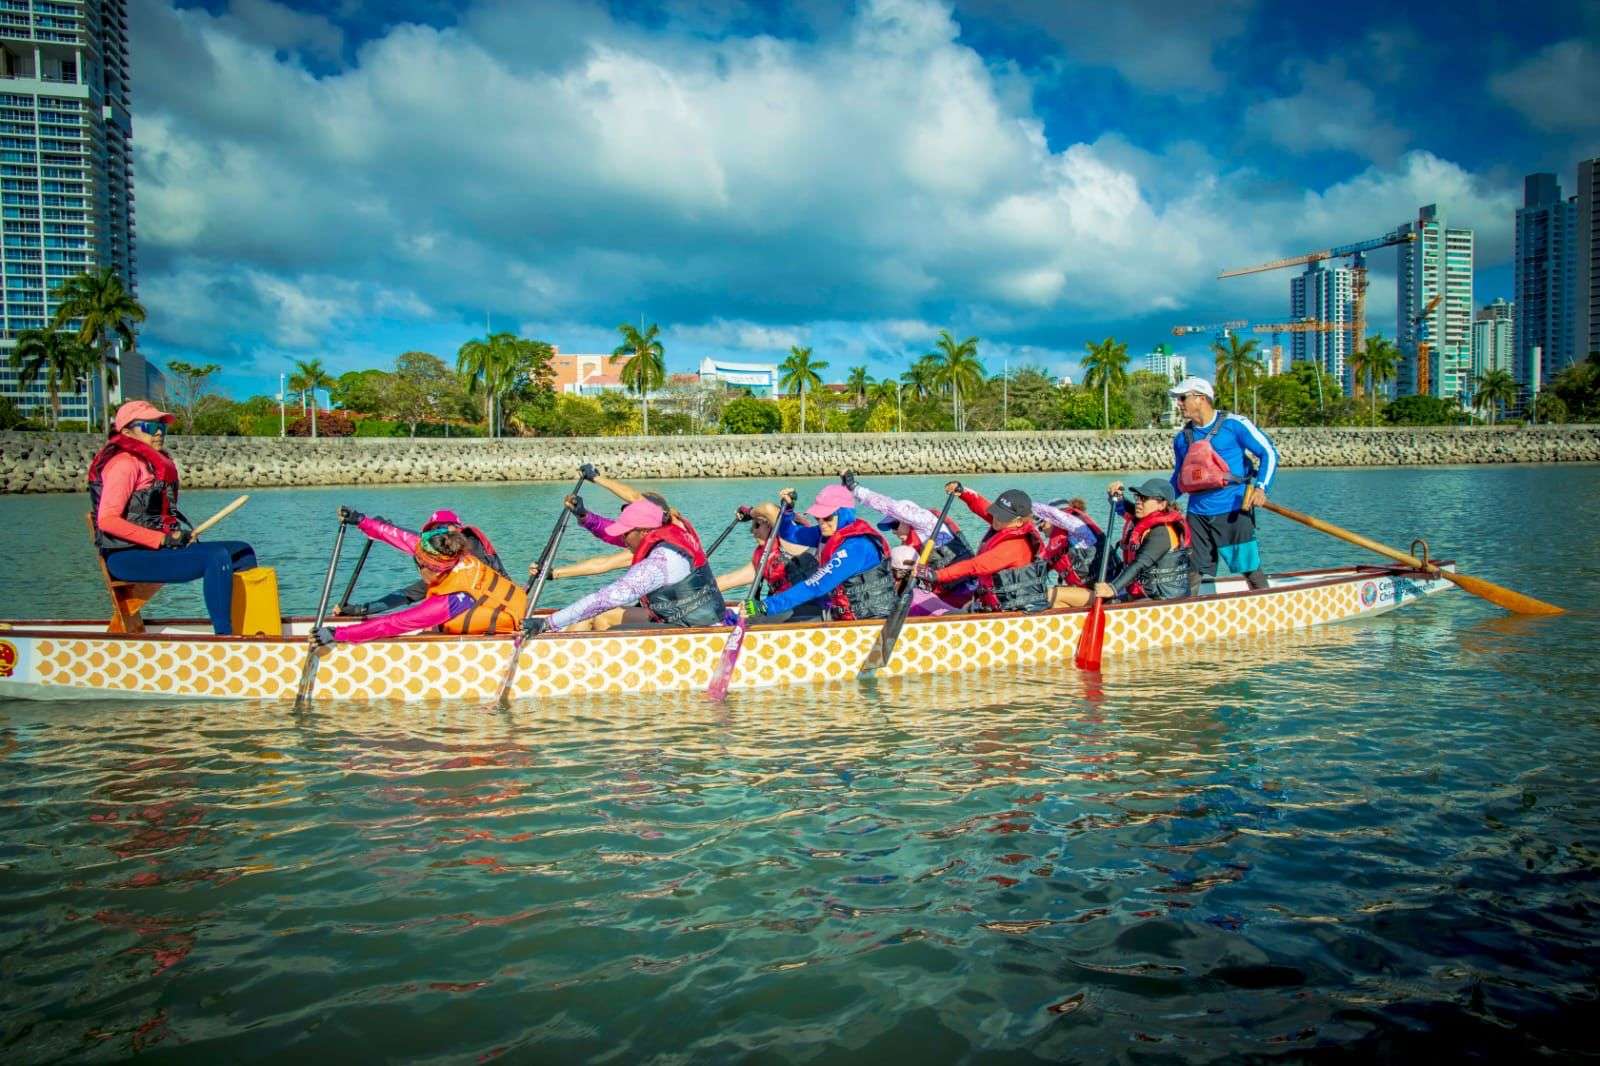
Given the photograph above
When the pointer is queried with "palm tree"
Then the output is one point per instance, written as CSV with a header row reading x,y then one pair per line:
x,y
1107,365
923,377
1378,362
309,374
800,375
1237,360
58,356
1493,390
858,380
489,364
646,368
106,313
959,370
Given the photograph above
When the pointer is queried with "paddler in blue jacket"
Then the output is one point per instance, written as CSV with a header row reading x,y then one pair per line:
x,y
1221,513
853,579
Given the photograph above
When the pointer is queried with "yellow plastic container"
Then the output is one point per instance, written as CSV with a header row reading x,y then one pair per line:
x,y
255,603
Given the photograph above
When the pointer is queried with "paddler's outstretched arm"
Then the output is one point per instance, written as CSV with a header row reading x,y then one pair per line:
x,y
655,571
737,579
625,493
912,514
597,564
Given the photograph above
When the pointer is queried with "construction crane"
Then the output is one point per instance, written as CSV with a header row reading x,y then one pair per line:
x,y
1358,265
1278,329
1223,330
1420,324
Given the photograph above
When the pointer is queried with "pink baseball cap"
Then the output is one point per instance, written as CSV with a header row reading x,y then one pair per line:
x,y
640,514
138,411
441,518
830,500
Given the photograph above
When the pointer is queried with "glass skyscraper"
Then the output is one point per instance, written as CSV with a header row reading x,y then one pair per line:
x,y
66,170
1586,262
1438,263
1544,268
1326,294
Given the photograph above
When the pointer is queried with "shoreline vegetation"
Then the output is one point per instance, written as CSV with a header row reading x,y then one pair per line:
x,y
35,462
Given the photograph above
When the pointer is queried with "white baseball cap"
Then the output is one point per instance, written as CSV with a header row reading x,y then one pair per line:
x,y
1188,385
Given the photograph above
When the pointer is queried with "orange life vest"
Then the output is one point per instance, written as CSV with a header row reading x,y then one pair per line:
x,y
498,601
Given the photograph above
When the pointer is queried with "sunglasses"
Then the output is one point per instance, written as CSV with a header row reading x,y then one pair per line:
x,y
151,428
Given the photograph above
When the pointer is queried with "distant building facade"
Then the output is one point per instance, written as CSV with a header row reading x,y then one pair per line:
x,y
1494,338
1586,261
1163,361
1326,294
760,379
1544,267
1437,263
66,169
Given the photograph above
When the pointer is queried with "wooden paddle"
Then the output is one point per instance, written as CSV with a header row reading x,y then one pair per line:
x,y
883,646
219,516
308,673
718,689
1093,635
533,590
1498,595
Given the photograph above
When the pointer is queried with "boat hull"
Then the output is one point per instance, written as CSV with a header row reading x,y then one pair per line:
x,y
47,660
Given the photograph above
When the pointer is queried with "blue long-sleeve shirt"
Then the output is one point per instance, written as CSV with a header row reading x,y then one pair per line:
x,y
1237,438
856,555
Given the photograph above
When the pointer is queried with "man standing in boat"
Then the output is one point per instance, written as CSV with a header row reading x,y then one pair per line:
x,y
1225,464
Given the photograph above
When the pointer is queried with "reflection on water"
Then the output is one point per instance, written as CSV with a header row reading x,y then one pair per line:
x,y
1379,839
1201,853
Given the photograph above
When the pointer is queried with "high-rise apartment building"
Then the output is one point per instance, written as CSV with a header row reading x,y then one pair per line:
x,y
1326,294
1543,265
66,168
1493,338
1437,263
1586,261
1161,360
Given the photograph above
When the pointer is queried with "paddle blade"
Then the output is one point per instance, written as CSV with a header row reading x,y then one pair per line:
x,y
717,691
1501,596
1092,638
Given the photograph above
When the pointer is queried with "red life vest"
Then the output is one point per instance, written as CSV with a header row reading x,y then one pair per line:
x,y
1202,468
839,607
684,540
986,582
1134,535
155,507
1058,549
776,574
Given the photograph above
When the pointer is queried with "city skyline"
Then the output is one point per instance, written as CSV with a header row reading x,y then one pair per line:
x,y
851,178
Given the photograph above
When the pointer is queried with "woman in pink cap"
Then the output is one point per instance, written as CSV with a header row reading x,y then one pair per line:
x,y
478,546
668,583
141,534
853,579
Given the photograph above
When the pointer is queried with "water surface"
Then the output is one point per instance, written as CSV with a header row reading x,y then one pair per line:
x,y
1374,840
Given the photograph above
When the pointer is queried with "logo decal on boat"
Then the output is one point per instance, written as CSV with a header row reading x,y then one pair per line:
x,y
8,658
1369,593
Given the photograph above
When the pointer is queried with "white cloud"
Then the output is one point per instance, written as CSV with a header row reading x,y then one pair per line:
x,y
745,336
1558,89
280,27
1331,112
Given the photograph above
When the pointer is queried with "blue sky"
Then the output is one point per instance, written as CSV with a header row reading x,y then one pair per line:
x,y
352,181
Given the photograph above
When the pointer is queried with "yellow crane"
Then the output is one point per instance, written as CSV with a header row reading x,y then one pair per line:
x,y
1278,329
1420,324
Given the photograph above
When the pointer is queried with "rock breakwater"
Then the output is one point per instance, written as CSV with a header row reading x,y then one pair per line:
x,y
55,462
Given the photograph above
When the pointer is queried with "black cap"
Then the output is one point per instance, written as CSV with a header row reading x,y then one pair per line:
x,y
1011,504
1156,488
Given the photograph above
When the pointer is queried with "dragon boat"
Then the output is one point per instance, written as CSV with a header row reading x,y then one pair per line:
x,y
180,659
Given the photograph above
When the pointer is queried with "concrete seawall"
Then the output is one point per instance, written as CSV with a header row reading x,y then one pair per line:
x,y
56,462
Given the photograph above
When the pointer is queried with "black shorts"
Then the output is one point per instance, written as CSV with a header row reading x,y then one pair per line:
x,y
1229,537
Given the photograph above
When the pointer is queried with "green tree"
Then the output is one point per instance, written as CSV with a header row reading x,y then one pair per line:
x,y
60,358
1237,365
1550,409
646,369
501,365
800,376
1492,391
960,372
421,389
1088,409
309,376
1148,397
10,416
747,414
188,384
1104,369
363,391
858,381
106,313
1578,387
921,381
1421,411
1376,364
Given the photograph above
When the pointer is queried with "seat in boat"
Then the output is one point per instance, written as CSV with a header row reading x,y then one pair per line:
x,y
127,597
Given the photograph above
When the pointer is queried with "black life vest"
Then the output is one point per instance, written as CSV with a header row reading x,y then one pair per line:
x,y
1168,579
1019,588
869,594
694,601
